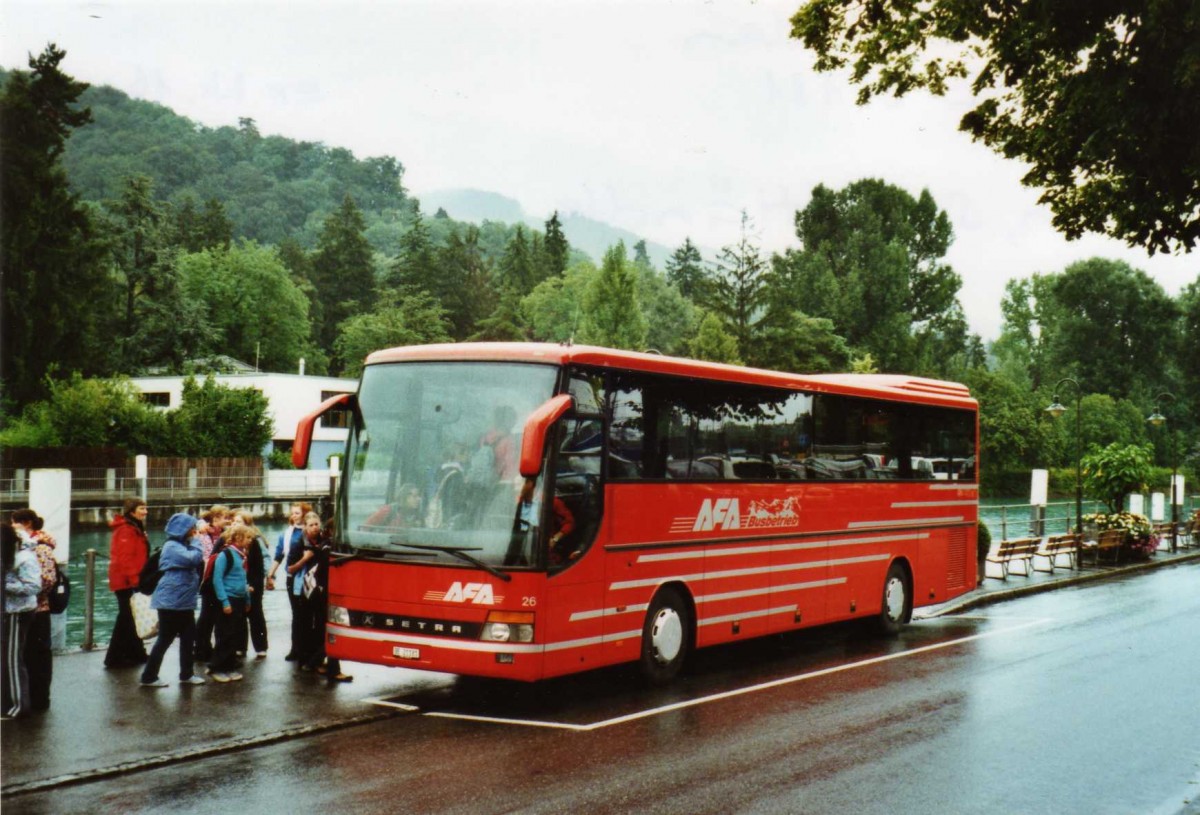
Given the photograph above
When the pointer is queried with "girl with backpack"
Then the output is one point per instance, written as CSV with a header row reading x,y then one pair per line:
x,y
175,599
39,657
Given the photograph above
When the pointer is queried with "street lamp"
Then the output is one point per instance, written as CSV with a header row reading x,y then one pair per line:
x,y
1056,410
1158,420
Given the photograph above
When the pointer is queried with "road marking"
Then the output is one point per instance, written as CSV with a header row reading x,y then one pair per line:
x,y
716,697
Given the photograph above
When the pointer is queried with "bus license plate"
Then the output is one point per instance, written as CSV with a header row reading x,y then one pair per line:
x,y
406,653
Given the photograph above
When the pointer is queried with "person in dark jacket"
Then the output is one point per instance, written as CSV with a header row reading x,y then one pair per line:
x,y
181,562
127,554
288,552
39,656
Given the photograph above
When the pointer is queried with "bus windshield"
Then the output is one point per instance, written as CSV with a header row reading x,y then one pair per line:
x,y
432,466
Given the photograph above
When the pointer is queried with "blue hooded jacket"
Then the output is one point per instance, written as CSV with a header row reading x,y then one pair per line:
x,y
181,564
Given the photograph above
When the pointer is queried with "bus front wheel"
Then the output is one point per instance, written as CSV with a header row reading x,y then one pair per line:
x,y
897,600
666,636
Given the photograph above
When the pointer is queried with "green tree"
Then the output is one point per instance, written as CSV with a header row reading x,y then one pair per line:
x,y
516,267
258,313
1189,351
402,317
343,271
556,251
1100,101
685,270
415,266
871,261
713,343
612,314
1114,472
553,310
670,317
800,344
82,412
1112,328
215,420
52,282
1012,431
739,287
466,288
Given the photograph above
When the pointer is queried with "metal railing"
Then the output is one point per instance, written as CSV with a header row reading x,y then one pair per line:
x,y
100,484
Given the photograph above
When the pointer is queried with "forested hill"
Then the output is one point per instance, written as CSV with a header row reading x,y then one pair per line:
x,y
273,187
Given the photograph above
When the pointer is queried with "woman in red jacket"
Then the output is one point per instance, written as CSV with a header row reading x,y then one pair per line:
x,y
126,555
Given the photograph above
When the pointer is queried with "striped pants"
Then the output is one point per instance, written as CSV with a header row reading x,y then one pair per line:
x,y
15,675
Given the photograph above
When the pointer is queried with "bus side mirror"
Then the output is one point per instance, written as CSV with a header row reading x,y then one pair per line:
x,y
304,429
533,438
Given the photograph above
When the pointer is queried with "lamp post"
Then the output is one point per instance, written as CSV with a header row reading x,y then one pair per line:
x,y
1056,410
1158,420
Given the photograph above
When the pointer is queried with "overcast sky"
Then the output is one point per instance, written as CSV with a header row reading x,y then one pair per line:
x,y
665,118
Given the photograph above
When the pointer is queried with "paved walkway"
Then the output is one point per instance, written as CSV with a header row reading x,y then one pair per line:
x,y
102,723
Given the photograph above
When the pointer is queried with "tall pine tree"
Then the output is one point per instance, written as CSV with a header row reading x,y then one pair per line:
x,y
343,272
52,283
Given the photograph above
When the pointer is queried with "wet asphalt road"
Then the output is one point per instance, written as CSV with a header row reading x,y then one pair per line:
x,y
1082,700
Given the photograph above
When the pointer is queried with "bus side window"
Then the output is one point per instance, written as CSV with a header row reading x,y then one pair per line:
x,y
576,490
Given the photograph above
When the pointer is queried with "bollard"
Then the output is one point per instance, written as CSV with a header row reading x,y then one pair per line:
x,y
89,602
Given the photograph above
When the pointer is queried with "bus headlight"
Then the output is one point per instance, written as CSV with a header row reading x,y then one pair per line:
x,y
338,615
508,626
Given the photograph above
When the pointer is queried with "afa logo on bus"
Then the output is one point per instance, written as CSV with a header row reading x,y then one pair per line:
x,y
478,593
725,513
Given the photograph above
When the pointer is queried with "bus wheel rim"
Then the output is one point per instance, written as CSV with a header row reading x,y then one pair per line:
x,y
666,635
895,598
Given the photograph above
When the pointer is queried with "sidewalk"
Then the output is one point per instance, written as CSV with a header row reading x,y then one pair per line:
x,y
102,723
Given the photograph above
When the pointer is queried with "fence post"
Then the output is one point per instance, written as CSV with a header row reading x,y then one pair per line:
x,y
89,602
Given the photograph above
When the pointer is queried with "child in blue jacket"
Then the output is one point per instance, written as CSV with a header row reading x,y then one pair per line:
x,y
180,565
233,599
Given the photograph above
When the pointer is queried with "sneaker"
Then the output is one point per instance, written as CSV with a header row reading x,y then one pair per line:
x,y
235,676
193,680
220,677
261,655
153,683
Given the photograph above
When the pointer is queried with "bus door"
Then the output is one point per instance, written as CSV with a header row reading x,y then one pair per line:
x,y
572,620
800,571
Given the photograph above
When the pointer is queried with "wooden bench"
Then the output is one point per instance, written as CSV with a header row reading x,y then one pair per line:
x,y
1108,542
1011,551
1058,545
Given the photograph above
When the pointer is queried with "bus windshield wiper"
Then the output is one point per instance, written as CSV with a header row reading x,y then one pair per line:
x,y
460,552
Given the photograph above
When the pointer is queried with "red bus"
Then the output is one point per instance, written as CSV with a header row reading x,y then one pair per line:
x,y
525,510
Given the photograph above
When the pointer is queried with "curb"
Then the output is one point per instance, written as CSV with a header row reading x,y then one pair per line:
x,y
209,751
977,600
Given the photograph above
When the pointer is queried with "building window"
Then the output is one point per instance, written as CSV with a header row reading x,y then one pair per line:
x,y
157,399
335,418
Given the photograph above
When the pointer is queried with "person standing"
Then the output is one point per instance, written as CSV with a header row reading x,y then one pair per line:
x,y
288,552
127,554
215,520
256,578
318,603
22,582
233,601
181,562
39,656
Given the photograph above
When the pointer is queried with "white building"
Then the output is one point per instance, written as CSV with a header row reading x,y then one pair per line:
x,y
290,397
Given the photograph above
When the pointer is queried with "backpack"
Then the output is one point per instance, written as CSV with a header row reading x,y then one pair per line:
x,y
206,583
60,595
148,578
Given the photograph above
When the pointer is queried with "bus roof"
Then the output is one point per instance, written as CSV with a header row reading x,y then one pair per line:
x,y
888,386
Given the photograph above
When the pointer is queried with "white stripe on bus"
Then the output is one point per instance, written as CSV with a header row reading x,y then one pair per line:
x,y
475,646
778,547
733,595
747,615
911,504
786,567
608,612
951,519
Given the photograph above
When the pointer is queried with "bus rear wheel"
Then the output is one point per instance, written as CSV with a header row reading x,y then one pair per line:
x,y
897,601
666,636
